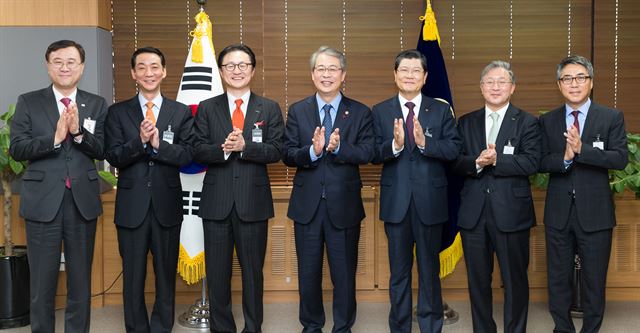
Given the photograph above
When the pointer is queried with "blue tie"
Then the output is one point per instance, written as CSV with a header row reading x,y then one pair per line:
x,y
326,123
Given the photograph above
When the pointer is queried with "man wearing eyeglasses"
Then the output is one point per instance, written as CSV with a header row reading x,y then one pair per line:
x,y
237,134
59,131
414,138
581,141
500,150
328,136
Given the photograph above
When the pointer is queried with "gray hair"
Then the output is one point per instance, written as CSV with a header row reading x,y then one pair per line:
x,y
575,60
330,51
498,64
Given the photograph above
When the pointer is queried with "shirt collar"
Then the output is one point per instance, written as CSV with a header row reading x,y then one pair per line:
x,y
335,103
416,101
244,98
59,95
501,111
157,101
584,108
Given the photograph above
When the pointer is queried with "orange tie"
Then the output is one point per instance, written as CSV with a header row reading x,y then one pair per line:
x,y
150,114
237,120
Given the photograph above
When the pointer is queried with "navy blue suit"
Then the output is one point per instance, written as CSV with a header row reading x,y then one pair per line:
x,y
413,205
334,218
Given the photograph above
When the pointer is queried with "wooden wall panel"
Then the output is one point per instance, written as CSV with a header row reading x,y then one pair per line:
x,y
56,13
606,91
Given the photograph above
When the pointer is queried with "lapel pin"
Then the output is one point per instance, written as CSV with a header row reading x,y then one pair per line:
x,y
82,105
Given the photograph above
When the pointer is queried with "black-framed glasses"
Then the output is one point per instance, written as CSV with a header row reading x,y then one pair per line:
x,y
580,79
230,67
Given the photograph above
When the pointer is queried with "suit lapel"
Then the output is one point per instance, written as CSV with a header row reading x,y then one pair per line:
x,y
135,112
313,116
510,117
253,111
590,121
342,115
51,107
165,114
223,113
478,130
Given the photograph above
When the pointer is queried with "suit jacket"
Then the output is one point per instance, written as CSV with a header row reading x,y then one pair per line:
x,y
508,181
242,179
145,176
588,174
415,174
32,134
338,174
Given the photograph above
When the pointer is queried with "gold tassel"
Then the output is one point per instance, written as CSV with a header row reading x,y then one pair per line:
x,y
191,269
450,256
430,28
203,29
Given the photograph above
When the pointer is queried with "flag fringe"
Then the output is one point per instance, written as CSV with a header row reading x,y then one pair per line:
x,y
430,28
203,29
450,256
192,269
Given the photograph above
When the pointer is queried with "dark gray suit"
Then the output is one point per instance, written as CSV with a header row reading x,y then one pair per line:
x,y
53,213
579,210
496,213
236,203
148,212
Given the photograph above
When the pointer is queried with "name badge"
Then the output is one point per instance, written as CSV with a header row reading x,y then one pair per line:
x,y
598,143
508,149
167,136
256,134
89,124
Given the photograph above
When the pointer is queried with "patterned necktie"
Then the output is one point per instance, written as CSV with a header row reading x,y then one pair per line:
x,y
326,123
576,123
66,101
238,118
493,133
150,114
410,116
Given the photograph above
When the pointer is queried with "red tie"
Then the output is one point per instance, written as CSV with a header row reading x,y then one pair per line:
x,y
66,101
410,117
576,124
238,118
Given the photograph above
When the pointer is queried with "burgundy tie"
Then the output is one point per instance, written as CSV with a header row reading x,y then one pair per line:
x,y
410,117
575,120
66,101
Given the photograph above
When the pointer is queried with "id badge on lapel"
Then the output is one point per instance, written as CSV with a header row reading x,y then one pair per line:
x,y
508,148
167,136
89,124
598,143
256,134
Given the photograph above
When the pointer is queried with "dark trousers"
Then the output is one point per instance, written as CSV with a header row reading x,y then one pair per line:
x,y
44,240
134,244
342,253
594,249
512,249
250,240
427,239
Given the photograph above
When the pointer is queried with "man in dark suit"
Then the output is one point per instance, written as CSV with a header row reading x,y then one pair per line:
x,y
500,149
59,131
414,136
328,136
238,134
581,141
149,137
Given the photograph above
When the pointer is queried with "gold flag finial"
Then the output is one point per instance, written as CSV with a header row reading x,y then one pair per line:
x,y
430,28
203,29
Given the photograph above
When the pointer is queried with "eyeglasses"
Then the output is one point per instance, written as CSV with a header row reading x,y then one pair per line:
x,y
568,80
413,71
231,67
500,83
331,70
58,64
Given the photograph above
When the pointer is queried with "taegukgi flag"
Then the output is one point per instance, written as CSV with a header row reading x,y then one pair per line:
x,y
200,81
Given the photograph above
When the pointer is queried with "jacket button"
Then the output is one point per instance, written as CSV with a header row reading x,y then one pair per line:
x,y
68,158
148,184
150,163
487,191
